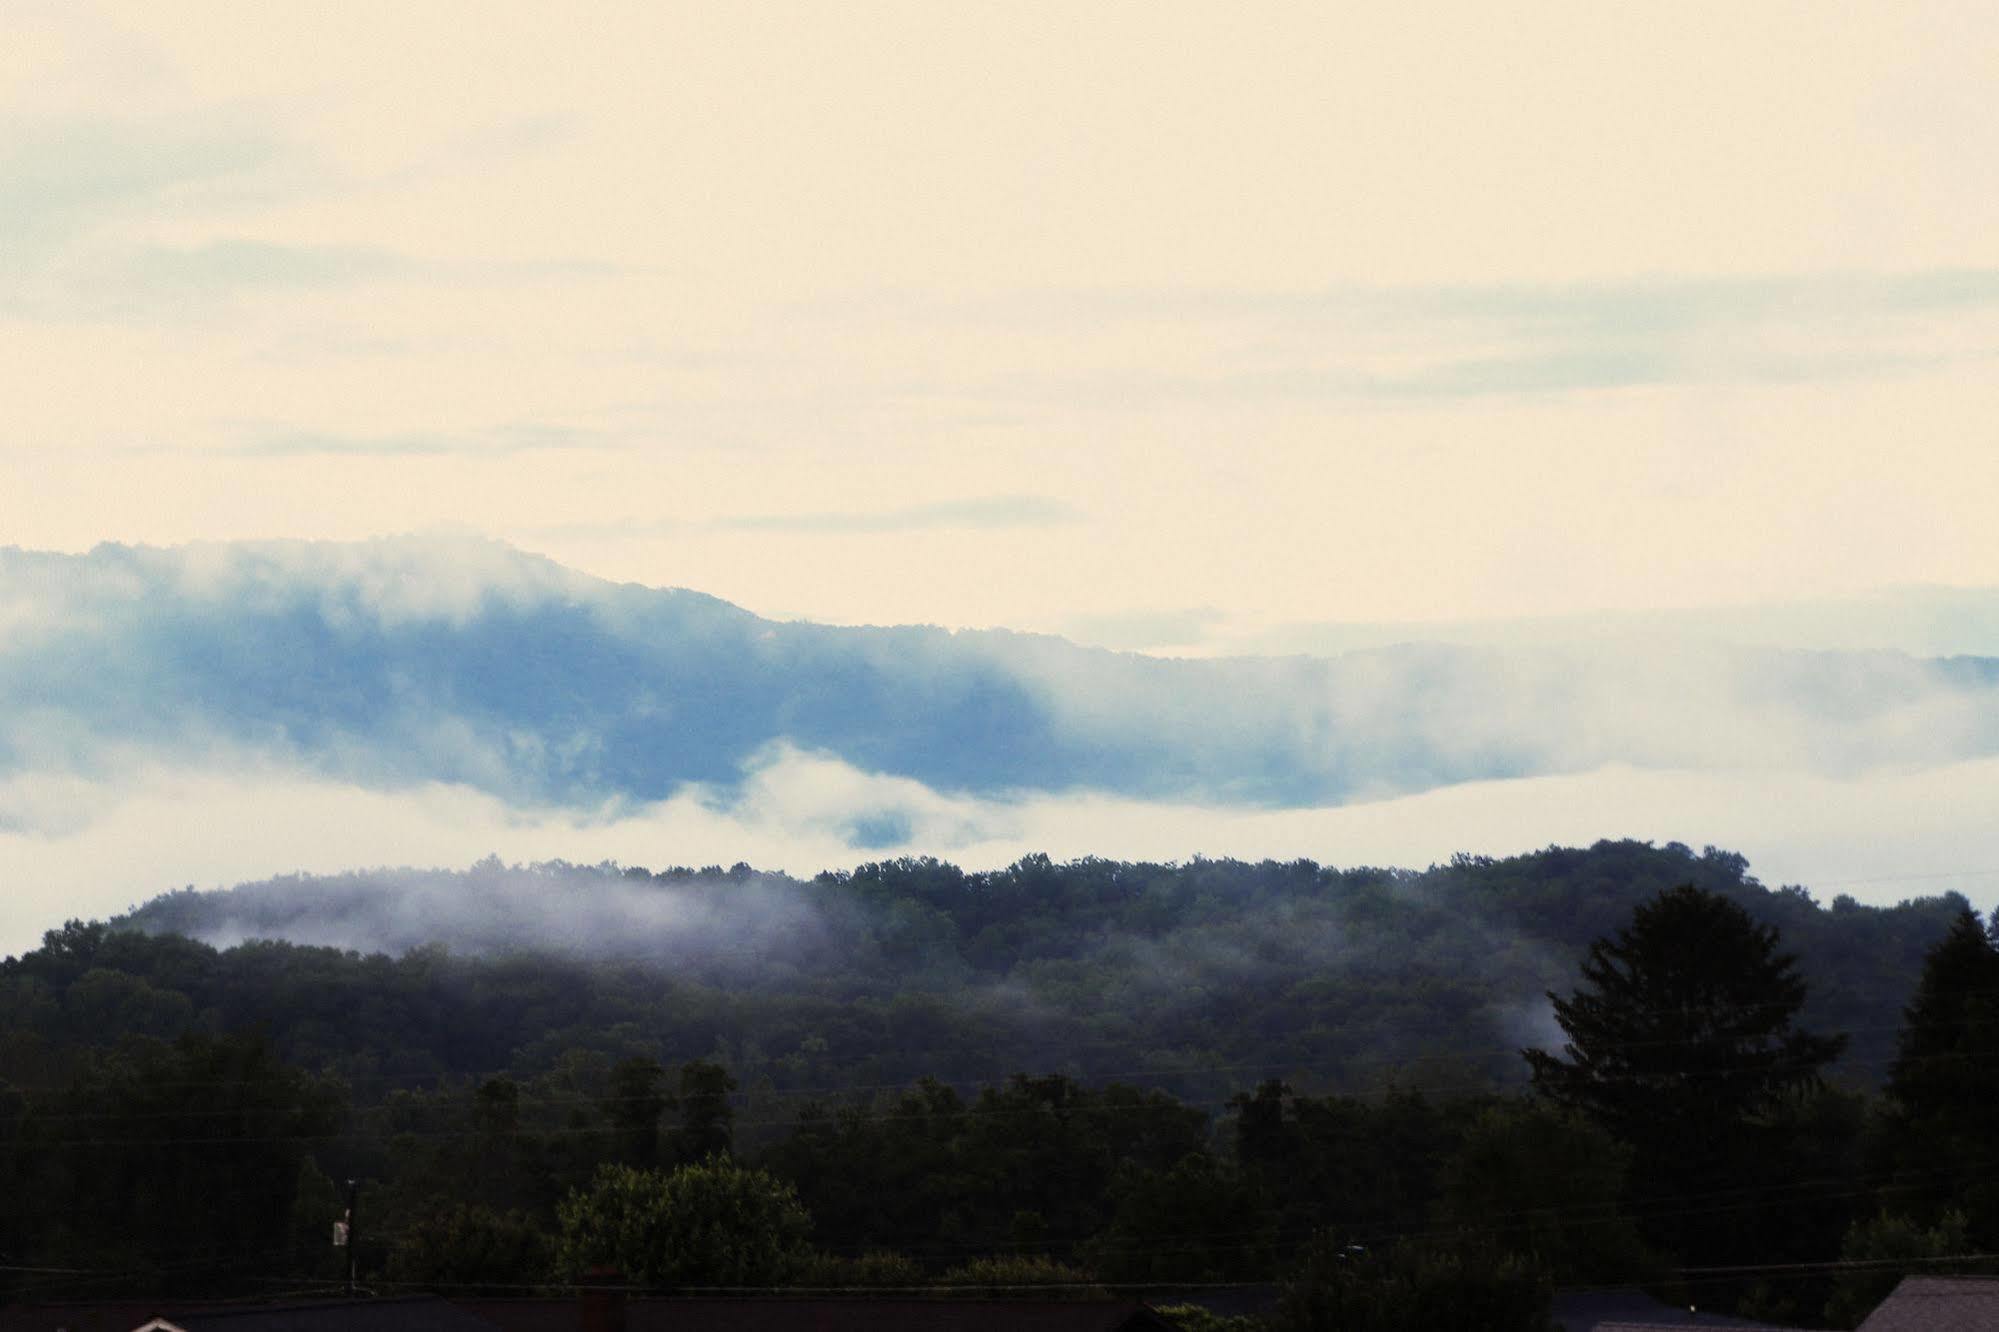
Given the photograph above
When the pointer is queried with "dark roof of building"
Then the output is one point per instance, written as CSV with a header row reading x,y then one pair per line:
x,y
1631,1310
779,1313
1233,1301
1694,1322
424,1313
111,1316
1938,1304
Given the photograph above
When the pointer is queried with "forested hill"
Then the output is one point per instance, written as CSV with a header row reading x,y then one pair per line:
x,y
1198,977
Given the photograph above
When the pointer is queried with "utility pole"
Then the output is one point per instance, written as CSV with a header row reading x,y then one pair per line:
x,y
353,1236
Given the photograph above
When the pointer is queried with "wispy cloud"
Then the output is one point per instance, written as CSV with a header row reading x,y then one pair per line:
x,y
156,283
986,513
1775,329
246,263
994,512
72,189
1482,340
1923,621
493,442
175,282
1657,304
1668,304
61,178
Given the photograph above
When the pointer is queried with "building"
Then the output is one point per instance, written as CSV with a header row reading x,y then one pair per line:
x,y
735,1314
1938,1304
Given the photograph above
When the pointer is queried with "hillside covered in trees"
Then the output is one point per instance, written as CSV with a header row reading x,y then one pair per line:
x,y
1050,1075
1192,977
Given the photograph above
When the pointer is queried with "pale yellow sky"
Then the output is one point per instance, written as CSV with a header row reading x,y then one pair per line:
x,y
1021,314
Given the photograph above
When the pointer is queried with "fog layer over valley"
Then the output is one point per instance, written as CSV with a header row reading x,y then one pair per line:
x,y
215,713
1342,978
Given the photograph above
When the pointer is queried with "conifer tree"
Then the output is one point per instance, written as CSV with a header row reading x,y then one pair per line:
x,y
1944,1084
1682,1043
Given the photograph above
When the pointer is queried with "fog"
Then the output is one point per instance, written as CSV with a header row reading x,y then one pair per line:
x,y
78,848
737,924
459,661
220,714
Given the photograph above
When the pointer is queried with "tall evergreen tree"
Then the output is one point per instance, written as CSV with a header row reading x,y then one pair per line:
x,y
1681,1042
1943,1088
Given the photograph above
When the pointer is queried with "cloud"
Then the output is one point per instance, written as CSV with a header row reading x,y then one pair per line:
x,y
86,200
1920,621
174,282
1471,341
999,511
444,658
988,513
62,178
1557,371
1880,837
497,441
222,713
169,284
1661,304
1773,329
438,577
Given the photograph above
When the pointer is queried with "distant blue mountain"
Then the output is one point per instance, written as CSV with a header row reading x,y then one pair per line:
x,y
459,660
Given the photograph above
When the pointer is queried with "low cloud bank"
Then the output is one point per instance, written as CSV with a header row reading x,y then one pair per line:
x,y
218,714
1879,837
441,660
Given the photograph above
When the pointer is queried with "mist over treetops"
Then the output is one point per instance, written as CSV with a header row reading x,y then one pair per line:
x,y
1180,974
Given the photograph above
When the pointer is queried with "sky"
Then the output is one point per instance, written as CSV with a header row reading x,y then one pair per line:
x,y
1197,330
1173,321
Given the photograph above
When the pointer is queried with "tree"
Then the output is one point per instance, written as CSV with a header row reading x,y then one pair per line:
x,y
1881,1251
634,1098
1195,1222
184,1160
707,1123
1344,1288
1943,1087
1547,1185
1951,1023
1362,1166
712,1224
1681,1044
1034,1275
466,1246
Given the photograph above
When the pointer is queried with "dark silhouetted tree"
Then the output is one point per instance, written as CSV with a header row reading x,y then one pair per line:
x,y
707,1123
634,1099
1682,1043
1943,1087
1546,1184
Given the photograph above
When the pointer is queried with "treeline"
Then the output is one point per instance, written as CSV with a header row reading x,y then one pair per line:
x,y
181,1119
1195,978
1682,1137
